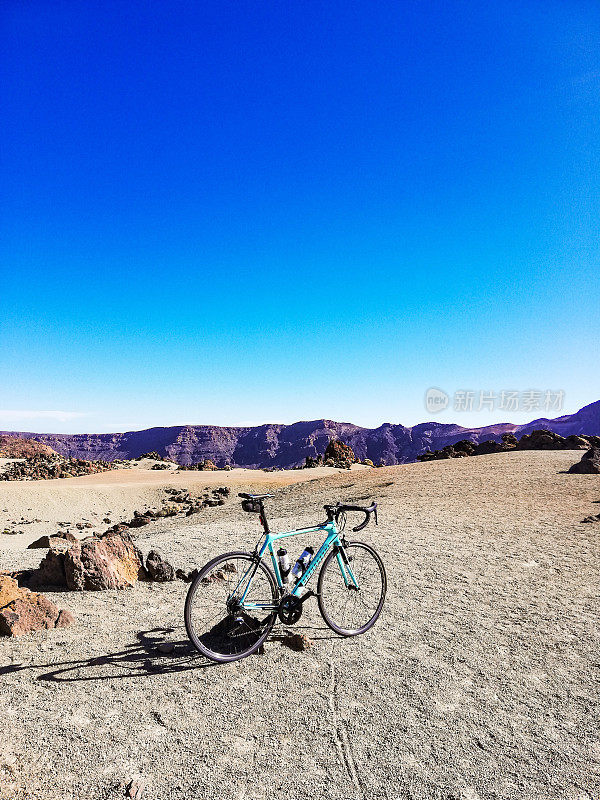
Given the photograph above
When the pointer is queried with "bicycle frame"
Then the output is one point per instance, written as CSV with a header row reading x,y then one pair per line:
x,y
331,540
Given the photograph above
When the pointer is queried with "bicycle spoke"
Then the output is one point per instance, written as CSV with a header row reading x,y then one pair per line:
x,y
347,609
218,624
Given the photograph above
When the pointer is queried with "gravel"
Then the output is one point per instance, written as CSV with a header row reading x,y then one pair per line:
x,y
479,681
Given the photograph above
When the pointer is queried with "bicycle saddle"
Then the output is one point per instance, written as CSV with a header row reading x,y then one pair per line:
x,y
253,496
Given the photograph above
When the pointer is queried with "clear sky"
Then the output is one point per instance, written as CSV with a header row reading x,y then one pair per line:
x,y
234,213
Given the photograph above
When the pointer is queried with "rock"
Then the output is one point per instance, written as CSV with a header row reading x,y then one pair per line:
x,y
135,788
139,522
589,464
9,590
165,647
541,440
297,641
576,443
43,467
593,518
65,618
112,562
341,454
193,510
487,447
119,527
188,576
49,541
23,611
16,447
51,571
158,569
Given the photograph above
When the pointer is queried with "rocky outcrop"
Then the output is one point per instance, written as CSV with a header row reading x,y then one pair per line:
x,y
42,467
589,464
338,454
23,611
536,440
16,447
285,446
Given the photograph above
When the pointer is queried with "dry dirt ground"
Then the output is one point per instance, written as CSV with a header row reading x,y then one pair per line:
x,y
30,509
479,681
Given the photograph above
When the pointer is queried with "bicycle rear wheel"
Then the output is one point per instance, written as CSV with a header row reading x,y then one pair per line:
x,y
221,625
349,610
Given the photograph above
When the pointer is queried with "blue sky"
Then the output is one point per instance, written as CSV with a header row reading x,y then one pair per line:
x,y
235,213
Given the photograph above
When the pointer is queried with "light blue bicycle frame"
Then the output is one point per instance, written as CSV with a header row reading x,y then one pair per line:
x,y
332,540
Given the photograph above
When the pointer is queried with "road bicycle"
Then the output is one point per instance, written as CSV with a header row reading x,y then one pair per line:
x,y
235,599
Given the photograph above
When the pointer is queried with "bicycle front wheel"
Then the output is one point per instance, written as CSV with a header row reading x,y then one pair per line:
x,y
351,596
229,608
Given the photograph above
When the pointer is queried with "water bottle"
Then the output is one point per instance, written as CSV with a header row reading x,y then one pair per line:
x,y
284,564
301,565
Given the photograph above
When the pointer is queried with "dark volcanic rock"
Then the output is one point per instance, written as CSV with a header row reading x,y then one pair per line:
x,y
51,571
589,464
338,454
158,569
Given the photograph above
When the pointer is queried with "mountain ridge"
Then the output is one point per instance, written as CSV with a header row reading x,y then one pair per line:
x,y
286,446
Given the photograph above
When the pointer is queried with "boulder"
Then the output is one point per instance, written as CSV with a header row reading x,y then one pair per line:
x,y
51,571
589,464
23,611
112,562
49,541
158,569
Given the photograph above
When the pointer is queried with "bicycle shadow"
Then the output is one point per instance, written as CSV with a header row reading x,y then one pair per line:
x,y
143,658
137,660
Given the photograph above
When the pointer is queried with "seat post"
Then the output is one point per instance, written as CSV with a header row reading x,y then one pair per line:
x,y
263,518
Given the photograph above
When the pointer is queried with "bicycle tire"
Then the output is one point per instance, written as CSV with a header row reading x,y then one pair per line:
x,y
199,581
323,594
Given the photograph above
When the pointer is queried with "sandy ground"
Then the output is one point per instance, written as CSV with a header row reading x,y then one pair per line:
x,y
479,681
30,509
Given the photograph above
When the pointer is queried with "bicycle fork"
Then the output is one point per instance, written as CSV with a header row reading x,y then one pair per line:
x,y
345,568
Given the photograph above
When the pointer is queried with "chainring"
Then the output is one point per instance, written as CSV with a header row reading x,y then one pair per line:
x,y
290,609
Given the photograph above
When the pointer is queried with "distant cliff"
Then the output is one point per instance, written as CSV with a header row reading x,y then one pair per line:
x,y
288,445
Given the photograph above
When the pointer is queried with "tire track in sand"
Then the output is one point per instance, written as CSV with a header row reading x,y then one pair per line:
x,y
342,739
